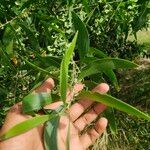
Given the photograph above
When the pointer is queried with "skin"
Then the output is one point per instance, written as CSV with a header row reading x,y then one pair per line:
x,y
33,139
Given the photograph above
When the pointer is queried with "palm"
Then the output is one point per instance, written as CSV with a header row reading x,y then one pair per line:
x,y
33,139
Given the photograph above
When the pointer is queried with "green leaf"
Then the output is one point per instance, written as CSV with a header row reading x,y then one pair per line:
x,y
50,129
87,71
8,40
6,57
90,15
86,5
112,77
9,47
97,53
70,2
27,4
89,84
113,102
114,63
109,113
83,41
50,134
51,60
26,126
35,101
64,68
102,65
120,63
31,36
38,68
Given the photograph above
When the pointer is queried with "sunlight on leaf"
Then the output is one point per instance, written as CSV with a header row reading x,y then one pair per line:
x,y
64,68
26,126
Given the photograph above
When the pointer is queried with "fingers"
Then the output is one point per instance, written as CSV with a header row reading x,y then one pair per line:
x,y
101,88
84,104
54,105
88,117
91,135
18,142
47,86
74,139
77,88
15,115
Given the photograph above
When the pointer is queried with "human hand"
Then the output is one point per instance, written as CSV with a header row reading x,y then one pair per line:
x,y
33,139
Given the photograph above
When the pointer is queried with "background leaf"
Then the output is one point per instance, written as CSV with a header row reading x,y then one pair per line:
x,y
83,41
33,40
109,113
39,68
114,102
96,53
114,63
112,77
105,65
86,5
8,39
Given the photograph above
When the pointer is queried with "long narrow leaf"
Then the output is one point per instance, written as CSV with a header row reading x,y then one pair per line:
x,y
38,68
114,102
101,65
50,134
96,52
112,77
64,68
87,71
50,129
109,113
26,126
116,63
83,41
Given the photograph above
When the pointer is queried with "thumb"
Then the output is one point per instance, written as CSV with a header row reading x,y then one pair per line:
x,y
46,86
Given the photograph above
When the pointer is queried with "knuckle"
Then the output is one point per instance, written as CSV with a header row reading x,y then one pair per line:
x,y
15,108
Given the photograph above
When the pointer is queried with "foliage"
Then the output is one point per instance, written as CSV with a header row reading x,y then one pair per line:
x,y
34,102
133,134
135,85
34,44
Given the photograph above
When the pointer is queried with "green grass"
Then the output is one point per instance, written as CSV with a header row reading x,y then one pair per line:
x,y
143,36
144,39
